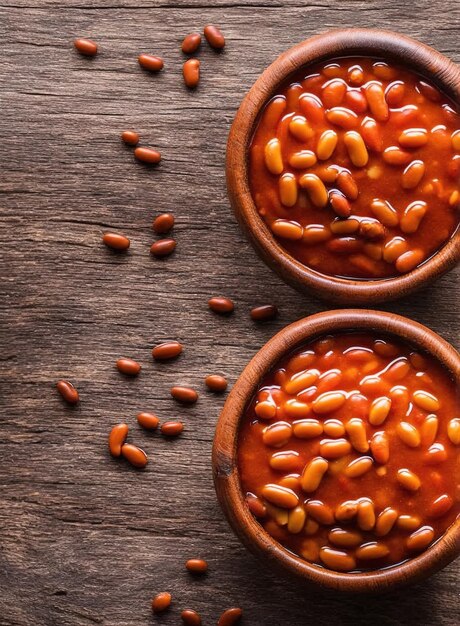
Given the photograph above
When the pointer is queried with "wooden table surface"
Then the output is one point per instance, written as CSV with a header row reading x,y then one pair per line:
x,y
85,539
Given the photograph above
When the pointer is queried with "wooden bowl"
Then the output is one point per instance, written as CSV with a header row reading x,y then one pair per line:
x,y
358,42
225,461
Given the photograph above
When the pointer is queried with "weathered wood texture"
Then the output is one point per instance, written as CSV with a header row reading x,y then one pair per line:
x,y
85,539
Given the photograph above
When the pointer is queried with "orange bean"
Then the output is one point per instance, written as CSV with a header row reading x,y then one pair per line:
x,y
256,506
379,410
68,391
435,454
356,430
344,226
409,260
345,538
380,447
191,73
87,47
147,155
413,216
265,410
185,395
333,92
455,140
420,539
405,116
377,103
161,602
280,496
413,138
413,174
130,137
329,401
326,145
150,62
440,506
395,156
334,448
340,204
315,233
320,512
117,438
394,249
300,381
300,129
313,473
372,550
358,467
372,134
366,514
356,101
311,527
338,560
426,401
191,43
116,242
230,617
273,112
273,158
136,456
347,185
312,108
148,421
129,367
316,190
288,189
346,510
385,213
173,428
371,229
453,431
394,93
385,521
334,428
214,37
384,71
163,223
342,117
196,566
327,174
287,230
355,76
296,409
408,479
429,430
408,522
307,429
296,520
302,160
277,434
408,434
356,147
285,461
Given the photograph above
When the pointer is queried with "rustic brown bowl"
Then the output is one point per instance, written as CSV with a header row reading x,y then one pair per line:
x,y
366,42
225,461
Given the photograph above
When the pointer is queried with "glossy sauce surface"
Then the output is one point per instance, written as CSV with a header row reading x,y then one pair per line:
x,y
326,492
355,167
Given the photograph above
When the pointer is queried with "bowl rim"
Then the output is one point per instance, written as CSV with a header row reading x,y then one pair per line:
x,y
335,43
225,462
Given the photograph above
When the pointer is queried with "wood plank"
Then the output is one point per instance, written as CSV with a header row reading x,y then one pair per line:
x,y
85,539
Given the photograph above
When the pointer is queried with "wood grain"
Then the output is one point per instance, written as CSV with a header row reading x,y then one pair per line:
x,y
86,539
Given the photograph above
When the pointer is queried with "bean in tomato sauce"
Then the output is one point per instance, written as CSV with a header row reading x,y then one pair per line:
x,y
354,166
349,452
